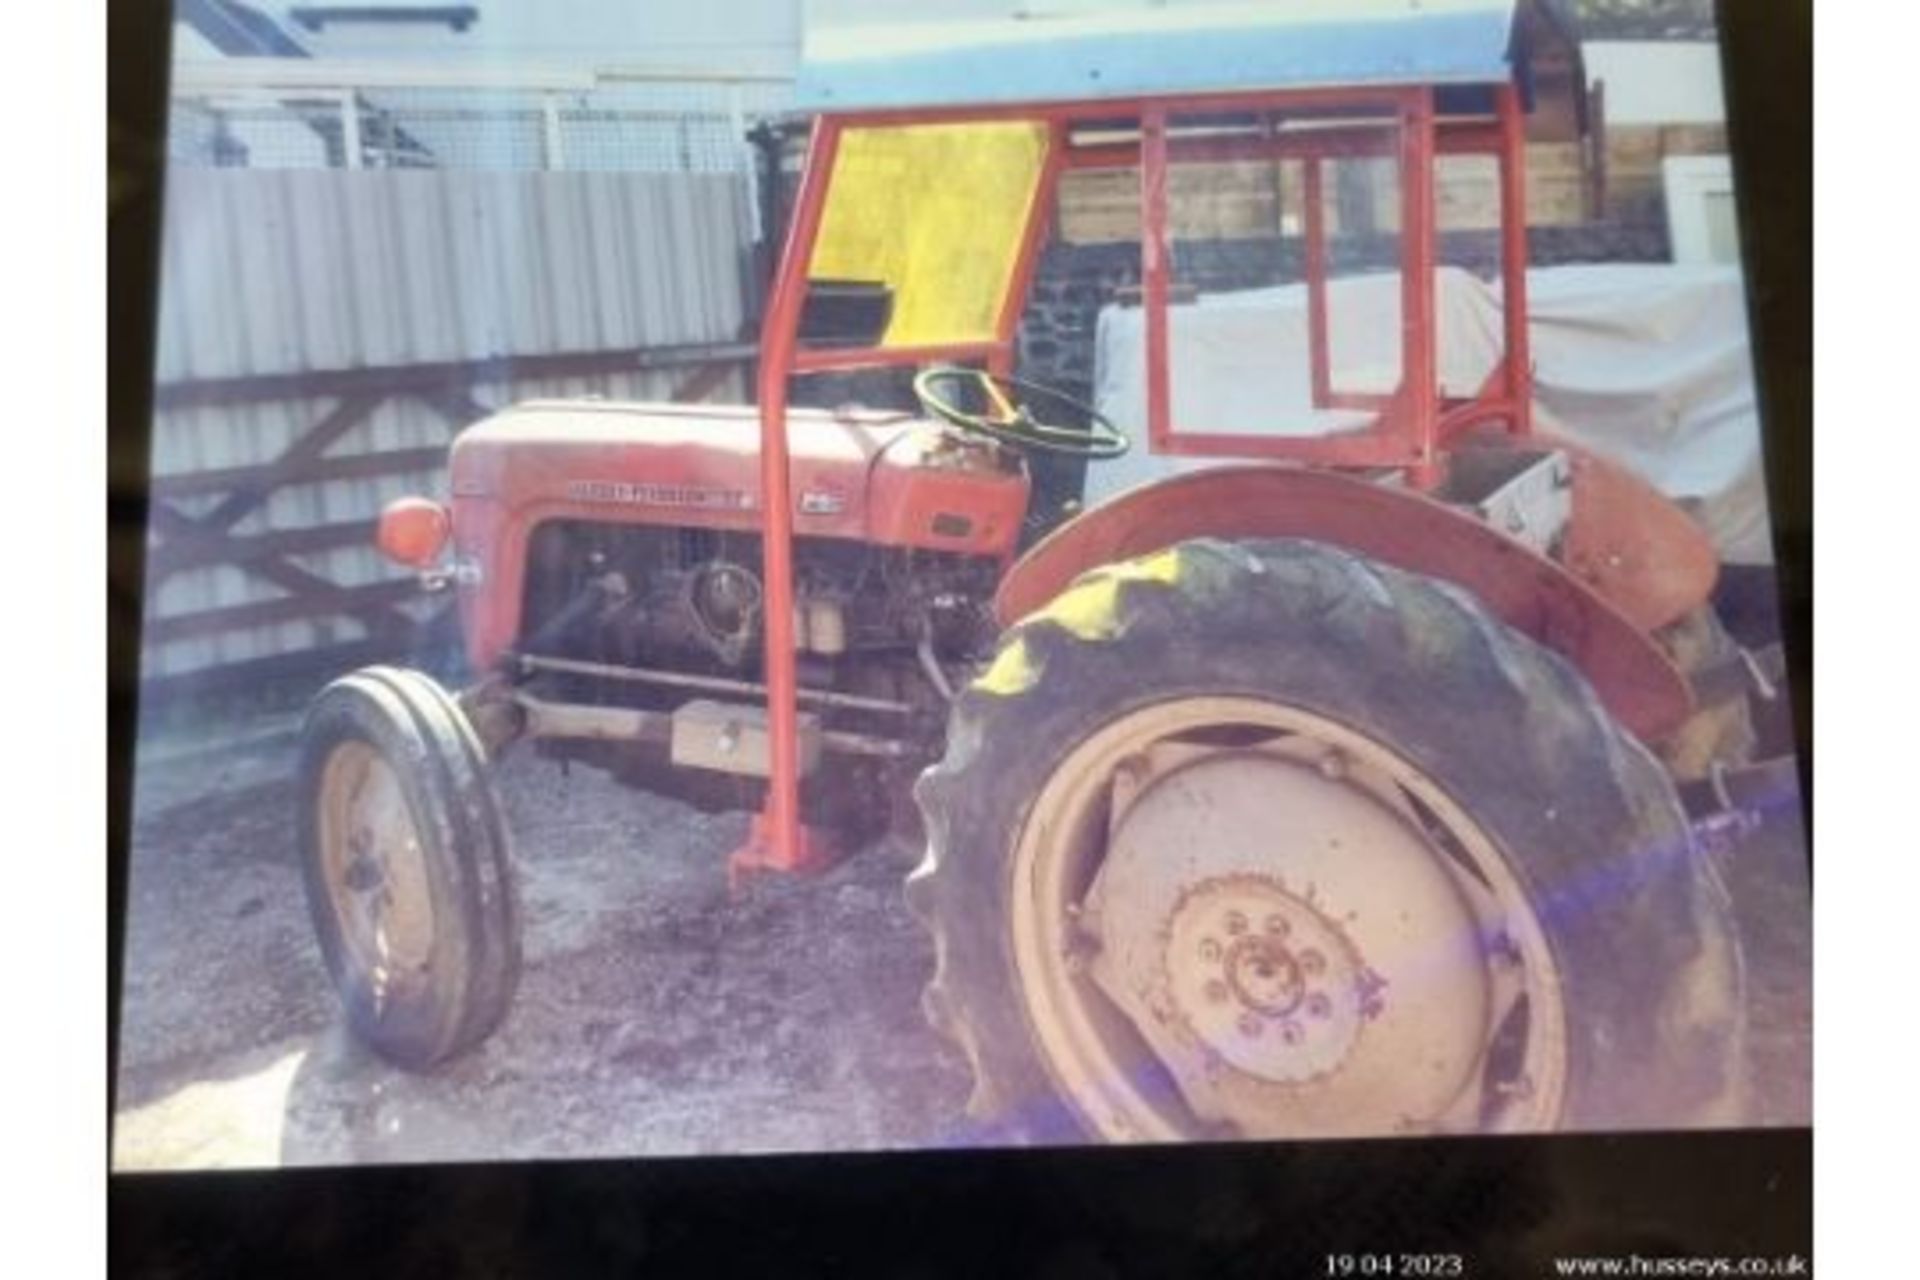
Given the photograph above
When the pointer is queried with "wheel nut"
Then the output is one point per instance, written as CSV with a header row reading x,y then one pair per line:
x,y
1209,950
1217,991
1277,926
1249,1025
1236,923
1290,1033
1313,963
1318,1006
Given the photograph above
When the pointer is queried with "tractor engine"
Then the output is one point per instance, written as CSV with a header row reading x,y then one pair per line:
x,y
609,561
689,601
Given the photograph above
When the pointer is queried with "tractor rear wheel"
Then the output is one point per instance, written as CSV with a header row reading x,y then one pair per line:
x,y
408,873
1267,840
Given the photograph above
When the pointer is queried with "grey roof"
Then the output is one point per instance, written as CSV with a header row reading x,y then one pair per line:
x,y
1160,51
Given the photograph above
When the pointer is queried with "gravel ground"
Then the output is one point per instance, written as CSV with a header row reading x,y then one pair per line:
x,y
656,1015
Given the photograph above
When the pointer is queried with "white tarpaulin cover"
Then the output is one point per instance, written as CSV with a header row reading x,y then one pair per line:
x,y
1648,365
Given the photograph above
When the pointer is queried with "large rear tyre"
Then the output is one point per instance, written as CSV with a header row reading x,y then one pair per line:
x,y
1268,840
408,872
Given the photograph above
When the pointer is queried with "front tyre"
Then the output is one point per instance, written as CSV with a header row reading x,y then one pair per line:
x,y
408,873
1267,840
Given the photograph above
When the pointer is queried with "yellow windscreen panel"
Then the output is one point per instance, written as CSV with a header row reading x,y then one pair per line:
x,y
936,213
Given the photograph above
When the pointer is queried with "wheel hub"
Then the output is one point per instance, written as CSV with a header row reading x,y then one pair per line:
x,y
1287,943
372,858
1263,980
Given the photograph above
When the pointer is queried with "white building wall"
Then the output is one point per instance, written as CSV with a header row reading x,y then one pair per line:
x,y
1658,81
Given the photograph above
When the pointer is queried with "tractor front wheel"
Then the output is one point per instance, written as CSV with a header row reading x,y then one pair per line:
x,y
407,868
1266,840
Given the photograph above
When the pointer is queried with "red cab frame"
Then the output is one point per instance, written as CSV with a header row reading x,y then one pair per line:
x,y
1410,427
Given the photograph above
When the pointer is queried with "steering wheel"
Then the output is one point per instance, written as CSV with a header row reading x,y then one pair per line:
x,y
1007,418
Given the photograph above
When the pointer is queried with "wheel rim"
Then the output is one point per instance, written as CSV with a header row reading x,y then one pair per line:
x,y
1237,918
375,869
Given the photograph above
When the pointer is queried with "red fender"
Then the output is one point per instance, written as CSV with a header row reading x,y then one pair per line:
x,y
1633,677
1641,553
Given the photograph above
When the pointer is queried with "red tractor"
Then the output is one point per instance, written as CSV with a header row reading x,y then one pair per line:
x,y
1328,792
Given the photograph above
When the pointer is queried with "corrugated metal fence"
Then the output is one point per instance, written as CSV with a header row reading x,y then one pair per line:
x,y
324,333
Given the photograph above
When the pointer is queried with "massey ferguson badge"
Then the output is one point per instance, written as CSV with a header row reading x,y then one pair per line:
x,y
658,495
